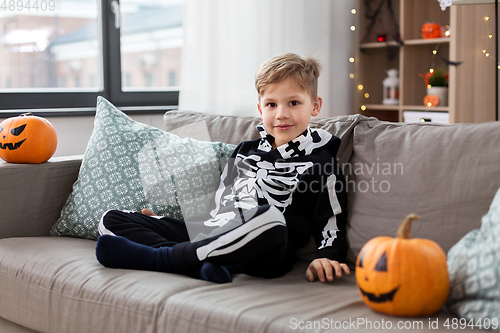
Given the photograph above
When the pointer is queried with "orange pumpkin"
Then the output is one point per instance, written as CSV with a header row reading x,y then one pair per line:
x,y
27,139
402,276
431,101
431,30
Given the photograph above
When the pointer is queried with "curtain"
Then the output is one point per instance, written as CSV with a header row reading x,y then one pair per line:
x,y
225,41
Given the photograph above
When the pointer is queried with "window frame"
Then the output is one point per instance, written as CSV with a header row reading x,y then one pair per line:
x,y
73,103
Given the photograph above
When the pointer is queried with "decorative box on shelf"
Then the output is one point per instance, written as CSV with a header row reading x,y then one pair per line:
x,y
426,116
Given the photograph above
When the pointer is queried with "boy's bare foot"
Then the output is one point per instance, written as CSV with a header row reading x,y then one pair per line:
x,y
147,212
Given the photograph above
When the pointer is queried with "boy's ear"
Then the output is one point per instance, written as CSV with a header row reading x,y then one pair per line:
x,y
317,106
260,110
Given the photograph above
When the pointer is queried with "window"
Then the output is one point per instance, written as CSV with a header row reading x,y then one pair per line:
x,y
172,79
81,49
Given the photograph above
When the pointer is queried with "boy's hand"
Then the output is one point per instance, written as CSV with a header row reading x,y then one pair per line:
x,y
323,269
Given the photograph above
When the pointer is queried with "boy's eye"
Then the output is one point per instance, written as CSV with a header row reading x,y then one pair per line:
x,y
294,103
271,105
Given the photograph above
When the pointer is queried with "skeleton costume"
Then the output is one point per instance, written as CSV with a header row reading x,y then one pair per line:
x,y
269,203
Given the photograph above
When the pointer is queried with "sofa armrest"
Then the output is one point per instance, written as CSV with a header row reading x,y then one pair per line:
x,y
32,195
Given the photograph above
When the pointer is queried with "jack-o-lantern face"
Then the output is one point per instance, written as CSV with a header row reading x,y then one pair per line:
x,y
15,132
402,276
431,101
380,266
27,139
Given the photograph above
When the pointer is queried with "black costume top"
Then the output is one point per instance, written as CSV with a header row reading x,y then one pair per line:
x,y
301,178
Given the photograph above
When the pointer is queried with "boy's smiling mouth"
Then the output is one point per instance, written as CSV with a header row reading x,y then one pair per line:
x,y
283,126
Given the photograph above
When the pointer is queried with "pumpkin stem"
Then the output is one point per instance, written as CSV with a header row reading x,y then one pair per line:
x,y
26,114
404,228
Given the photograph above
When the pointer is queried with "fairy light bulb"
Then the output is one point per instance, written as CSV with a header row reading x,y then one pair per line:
x,y
486,18
351,59
360,87
367,95
434,52
431,70
353,28
363,107
351,75
353,11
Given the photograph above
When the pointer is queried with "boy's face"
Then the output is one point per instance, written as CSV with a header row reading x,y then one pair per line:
x,y
286,108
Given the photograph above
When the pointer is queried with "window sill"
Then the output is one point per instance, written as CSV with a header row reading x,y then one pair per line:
x,y
89,111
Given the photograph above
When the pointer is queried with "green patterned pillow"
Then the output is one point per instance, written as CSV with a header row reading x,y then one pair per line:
x,y
474,267
130,166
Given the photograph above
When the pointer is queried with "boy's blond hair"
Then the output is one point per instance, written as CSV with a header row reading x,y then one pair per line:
x,y
304,70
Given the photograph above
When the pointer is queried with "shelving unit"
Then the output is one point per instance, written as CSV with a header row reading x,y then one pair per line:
x,y
471,85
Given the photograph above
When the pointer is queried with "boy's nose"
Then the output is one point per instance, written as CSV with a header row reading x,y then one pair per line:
x,y
282,113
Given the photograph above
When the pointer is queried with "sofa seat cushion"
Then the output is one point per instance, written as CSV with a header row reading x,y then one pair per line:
x,y
446,174
258,305
55,284
286,304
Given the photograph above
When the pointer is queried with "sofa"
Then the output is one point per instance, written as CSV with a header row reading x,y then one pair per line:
x,y
447,174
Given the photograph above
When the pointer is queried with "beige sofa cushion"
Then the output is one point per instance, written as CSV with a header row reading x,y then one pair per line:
x,y
55,284
231,129
208,127
447,174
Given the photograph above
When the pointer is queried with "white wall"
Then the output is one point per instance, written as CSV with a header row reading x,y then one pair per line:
x,y
73,133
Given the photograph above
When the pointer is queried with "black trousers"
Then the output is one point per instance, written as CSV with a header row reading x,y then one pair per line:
x,y
257,245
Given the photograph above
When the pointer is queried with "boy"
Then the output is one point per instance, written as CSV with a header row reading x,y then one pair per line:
x,y
275,192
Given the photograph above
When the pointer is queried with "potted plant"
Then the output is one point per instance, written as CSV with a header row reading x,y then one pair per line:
x,y
436,82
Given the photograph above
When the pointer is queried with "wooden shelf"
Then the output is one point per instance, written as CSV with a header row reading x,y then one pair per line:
x,y
382,107
396,108
379,45
471,92
425,108
428,41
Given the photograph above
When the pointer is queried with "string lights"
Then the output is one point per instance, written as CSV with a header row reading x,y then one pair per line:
x,y
490,36
360,87
434,53
351,60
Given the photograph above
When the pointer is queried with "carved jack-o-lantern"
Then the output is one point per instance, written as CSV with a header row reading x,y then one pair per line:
x,y
431,101
27,139
402,276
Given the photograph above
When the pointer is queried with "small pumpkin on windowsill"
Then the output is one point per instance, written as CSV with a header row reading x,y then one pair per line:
x,y
27,139
402,276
